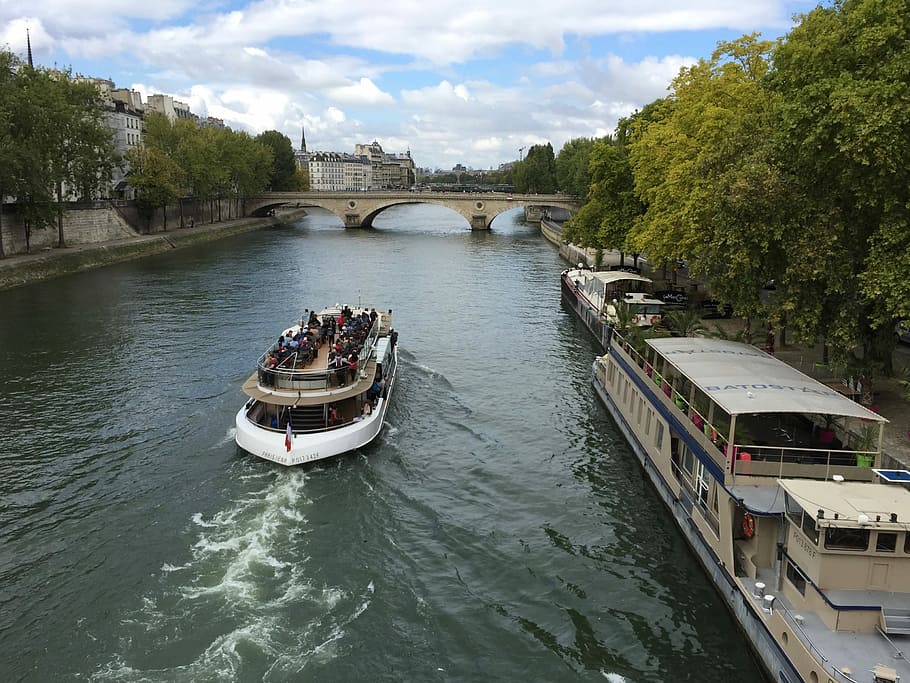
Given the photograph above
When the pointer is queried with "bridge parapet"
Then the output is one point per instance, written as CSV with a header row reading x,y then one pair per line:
x,y
359,209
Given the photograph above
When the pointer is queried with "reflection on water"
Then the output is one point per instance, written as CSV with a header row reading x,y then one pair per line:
x,y
498,530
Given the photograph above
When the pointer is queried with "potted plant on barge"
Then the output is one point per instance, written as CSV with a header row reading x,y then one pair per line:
x,y
826,433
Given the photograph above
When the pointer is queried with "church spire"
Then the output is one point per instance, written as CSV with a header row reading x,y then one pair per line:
x,y
302,139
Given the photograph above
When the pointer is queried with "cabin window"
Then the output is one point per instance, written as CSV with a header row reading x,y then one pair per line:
x,y
625,391
641,407
611,371
794,511
688,460
659,435
846,539
796,578
648,417
810,528
886,542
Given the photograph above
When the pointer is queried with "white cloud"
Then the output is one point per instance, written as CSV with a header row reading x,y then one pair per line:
x,y
455,82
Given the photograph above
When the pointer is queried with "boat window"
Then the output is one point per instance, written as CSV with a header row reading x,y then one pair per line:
x,y
611,371
659,436
794,511
846,539
641,407
648,421
810,528
886,542
688,460
796,578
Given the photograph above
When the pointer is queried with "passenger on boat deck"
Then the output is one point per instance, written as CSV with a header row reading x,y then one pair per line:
x,y
367,409
314,320
373,391
333,415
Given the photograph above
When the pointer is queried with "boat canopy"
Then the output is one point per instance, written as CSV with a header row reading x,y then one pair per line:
x,y
608,277
850,499
742,379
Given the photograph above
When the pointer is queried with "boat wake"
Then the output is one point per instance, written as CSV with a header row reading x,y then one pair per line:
x,y
243,603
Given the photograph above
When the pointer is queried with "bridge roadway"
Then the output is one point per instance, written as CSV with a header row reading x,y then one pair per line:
x,y
359,209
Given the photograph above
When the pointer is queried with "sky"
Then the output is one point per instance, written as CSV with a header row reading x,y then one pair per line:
x,y
451,81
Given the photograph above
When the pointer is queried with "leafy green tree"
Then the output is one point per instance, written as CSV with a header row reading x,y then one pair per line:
x,y
704,169
283,165
82,145
537,172
156,177
573,175
843,78
9,170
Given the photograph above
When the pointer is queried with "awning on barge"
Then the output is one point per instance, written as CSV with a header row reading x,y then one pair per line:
x,y
742,379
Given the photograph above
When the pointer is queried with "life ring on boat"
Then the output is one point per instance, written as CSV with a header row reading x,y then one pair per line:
x,y
748,525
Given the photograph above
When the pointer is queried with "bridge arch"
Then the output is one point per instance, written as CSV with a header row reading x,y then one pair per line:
x,y
359,209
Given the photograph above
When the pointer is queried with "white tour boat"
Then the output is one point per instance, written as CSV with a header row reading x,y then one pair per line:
x,y
776,482
315,393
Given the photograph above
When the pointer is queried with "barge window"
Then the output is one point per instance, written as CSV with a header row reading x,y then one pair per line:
x,y
810,528
886,542
611,371
846,539
659,436
688,460
796,578
648,421
641,407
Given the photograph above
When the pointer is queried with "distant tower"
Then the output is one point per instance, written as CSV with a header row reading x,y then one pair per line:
x,y
28,41
302,139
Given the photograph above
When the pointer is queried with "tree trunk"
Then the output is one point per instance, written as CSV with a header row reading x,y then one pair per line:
x,y
164,216
180,204
61,243
28,235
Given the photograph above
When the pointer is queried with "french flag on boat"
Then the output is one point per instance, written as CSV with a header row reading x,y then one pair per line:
x,y
288,436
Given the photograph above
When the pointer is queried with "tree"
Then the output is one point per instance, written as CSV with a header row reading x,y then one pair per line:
x,y
843,77
572,167
82,145
156,177
704,169
284,167
537,173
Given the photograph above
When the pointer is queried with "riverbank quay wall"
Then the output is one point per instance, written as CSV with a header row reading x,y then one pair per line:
x,y
110,246
105,220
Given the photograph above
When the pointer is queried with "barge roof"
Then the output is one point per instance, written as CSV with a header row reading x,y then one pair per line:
x,y
742,379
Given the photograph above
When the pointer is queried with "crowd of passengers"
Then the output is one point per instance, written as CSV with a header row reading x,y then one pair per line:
x,y
346,335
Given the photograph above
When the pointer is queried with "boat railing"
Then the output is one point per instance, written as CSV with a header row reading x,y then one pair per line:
x,y
833,672
286,376
754,459
713,433
778,461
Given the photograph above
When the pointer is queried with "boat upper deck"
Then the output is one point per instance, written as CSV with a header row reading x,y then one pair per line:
x,y
742,379
322,369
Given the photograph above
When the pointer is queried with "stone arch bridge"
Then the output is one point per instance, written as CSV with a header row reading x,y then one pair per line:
x,y
359,209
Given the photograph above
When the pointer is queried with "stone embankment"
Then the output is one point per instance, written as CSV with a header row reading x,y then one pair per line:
x,y
121,245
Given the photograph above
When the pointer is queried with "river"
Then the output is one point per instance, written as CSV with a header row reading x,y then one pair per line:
x,y
498,530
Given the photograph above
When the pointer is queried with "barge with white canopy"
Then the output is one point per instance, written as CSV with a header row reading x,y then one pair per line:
x,y
775,481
